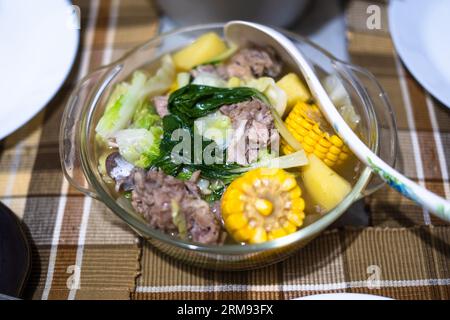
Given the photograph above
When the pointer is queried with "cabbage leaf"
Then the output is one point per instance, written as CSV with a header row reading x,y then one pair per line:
x,y
126,98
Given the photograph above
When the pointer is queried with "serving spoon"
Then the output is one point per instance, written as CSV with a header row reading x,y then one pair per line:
x,y
243,33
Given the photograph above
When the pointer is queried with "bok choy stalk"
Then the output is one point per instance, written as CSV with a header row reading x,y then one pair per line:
x,y
126,97
293,160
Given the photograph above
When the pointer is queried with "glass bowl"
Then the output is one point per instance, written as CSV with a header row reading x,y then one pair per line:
x,y
80,159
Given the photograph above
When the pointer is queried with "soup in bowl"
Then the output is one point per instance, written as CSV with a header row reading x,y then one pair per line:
x,y
218,155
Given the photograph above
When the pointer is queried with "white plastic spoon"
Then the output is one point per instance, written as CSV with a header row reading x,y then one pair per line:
x,y
242,33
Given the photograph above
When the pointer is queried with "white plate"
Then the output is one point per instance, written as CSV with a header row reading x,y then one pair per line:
x,y
421,34
38,44
343,296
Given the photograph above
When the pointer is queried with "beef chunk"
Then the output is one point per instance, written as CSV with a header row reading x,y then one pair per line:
x,y
254,130
253,62
156,193
161,104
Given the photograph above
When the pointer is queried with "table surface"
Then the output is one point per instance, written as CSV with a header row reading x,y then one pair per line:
x,y
80,250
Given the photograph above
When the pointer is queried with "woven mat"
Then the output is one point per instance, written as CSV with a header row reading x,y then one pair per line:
x,y
75,237
409,251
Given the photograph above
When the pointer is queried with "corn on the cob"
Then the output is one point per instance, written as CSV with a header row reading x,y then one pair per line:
x,y
262,205
304,124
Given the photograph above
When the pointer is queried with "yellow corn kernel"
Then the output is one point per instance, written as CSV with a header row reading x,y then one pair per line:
x,y
302,131
295,218
243,234
335,150
297,136
336,141
321,149
236,221
328,162
309,141
234,193
295,193
343,156
264,206
232,205
308,148
305,124
277,233
314,137
325,143
331,157
298,204
317,130
289,227
289,184
259,235
321,155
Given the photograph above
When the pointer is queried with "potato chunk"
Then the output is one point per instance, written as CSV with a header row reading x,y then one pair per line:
x,y
294,88
325,187
203,49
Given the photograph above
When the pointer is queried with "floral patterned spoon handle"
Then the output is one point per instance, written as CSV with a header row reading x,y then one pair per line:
x,y
427,199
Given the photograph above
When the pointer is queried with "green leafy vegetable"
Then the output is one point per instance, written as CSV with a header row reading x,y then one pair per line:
x,y
185,174
195,101
226,172
127,195
217,188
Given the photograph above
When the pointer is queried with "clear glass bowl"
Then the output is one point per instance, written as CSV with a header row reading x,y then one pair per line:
x,y
86,104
